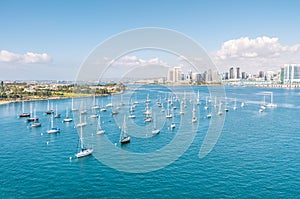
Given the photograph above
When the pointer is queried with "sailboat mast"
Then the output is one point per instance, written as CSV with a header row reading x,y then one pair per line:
x,y
81,138
271,98
23,109
124,126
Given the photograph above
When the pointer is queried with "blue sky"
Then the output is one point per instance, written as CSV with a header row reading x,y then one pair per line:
x,y
68,30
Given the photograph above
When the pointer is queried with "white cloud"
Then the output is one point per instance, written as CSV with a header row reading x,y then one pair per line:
x,y
135,61
29,57
259,52
251,48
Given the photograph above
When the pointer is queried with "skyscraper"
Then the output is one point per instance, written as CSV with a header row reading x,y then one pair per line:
x,y
292,73
238,73
231,73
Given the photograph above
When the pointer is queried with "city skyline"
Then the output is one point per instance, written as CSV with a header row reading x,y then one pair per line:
x,y
50,39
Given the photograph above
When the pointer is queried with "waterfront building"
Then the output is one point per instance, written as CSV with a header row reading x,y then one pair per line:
x,y
231,73
238,75
291,73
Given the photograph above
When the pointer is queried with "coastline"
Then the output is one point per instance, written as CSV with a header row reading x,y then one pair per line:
x,y
4,102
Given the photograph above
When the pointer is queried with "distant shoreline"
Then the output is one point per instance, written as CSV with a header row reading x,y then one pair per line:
x,y
3,102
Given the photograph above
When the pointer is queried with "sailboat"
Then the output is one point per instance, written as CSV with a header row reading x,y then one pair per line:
x,y
73,107
34,118
263,106
169,114
181,112
162,108
173,125
194,118
100,131
234,106
208,114
35,121
67,119
147,112
155,130
81,123
49,111
23,114
184,100
198,98
36,124
271,104
83,150
103,109
57,115
206,104
124,138
242,104
131,110
148,100
220,109
94,103
52,128
94,115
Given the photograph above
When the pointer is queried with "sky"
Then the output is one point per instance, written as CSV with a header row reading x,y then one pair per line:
x,y
50,39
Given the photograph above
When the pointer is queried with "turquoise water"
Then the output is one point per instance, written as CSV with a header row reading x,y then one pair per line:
x,y
257,154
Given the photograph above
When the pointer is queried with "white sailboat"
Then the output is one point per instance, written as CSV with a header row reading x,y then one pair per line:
x,y
103,109
52,128
73,107
181,112
263,106
242,104
173,125
155,130
49,110
23,114
35,121
220,109
271,104
33,118
67,119
80,124
100,131
234,106
208,114
124,138
94,115
206,104
169,114
184,100
148,114
194,118
198,98
148,99
95,106
83,151
57,115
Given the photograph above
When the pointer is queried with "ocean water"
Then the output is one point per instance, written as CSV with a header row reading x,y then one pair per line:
x,y
256,156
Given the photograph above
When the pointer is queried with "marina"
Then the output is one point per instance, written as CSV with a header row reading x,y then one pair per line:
x,y
251,143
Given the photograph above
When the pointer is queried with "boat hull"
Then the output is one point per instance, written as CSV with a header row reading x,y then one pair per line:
x,y
125,140
84,153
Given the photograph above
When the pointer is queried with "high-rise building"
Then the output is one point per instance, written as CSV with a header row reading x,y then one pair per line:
x,y
282,75
244,75
291,73
226,76
231,73
209,76
238,73
175,74
261,74
170,75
